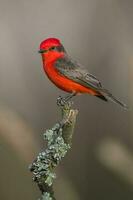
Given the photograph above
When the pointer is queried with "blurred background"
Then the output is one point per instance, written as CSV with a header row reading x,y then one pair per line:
x,y
98,34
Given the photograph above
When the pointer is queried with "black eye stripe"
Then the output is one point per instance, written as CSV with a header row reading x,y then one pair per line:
x,y
52,48
57,48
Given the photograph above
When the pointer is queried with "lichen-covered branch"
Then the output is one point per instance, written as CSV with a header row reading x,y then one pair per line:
x,y
59,139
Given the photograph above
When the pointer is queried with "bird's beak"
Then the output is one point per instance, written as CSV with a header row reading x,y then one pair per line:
x,y
41,51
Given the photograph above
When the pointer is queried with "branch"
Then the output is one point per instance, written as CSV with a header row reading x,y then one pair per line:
x,y
59,140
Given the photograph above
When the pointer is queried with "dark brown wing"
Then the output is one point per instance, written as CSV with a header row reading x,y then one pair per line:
x,y
77,73
74,71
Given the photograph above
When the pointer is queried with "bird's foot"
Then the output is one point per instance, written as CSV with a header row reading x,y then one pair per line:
x,y
63,101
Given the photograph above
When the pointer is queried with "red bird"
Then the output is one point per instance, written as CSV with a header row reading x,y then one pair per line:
x,y
69,75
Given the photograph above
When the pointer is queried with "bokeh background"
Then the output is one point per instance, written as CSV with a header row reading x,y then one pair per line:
x,y
99,34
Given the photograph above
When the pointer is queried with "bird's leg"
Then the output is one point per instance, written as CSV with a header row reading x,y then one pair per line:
x,y
67,98
61,101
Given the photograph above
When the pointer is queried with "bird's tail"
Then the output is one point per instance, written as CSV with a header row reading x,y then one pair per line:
x,y
109,96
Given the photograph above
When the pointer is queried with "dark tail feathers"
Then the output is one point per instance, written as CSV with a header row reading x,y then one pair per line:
x,y
106,95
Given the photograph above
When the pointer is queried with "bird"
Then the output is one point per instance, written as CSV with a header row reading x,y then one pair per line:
x,y
70,76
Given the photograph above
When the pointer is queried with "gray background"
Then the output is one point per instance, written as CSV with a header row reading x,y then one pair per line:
x,y
99,35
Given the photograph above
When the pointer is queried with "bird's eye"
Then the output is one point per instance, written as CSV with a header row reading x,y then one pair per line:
x,y
52,48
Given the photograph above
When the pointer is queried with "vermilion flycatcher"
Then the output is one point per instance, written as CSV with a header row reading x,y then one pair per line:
x,y
69,75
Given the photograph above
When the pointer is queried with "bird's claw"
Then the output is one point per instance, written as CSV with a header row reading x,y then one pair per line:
x,y
62,101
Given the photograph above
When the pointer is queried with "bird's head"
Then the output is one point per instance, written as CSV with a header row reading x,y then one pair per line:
x,y
51,49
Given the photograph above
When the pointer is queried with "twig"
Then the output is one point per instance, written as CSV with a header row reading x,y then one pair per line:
x,y
59,139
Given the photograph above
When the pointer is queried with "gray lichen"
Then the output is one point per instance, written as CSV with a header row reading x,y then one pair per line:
x,y
46,196
58,143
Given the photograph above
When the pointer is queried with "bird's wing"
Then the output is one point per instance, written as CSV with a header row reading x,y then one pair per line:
x,y
74,71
